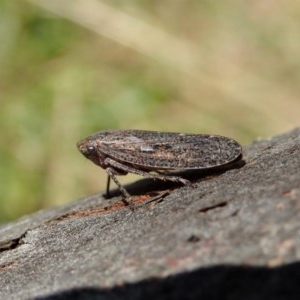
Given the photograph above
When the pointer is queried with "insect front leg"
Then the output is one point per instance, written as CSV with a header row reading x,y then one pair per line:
x,y
112,174
133,170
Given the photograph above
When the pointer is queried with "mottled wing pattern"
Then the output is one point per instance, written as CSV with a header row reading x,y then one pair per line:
x,y
170,151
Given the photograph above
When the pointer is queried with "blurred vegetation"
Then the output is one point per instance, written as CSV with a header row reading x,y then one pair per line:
x,y
70,68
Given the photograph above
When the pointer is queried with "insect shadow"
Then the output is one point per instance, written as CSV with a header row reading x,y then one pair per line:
x,y
149,185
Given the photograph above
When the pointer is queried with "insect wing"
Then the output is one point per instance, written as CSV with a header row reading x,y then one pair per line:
x,y
170,151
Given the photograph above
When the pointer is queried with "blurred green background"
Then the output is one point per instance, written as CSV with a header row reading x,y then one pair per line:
x,y
70,68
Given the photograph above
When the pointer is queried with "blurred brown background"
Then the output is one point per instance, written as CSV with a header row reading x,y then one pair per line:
x,y
70,68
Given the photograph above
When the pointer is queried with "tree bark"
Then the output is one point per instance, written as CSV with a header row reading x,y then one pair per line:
x,y
232,234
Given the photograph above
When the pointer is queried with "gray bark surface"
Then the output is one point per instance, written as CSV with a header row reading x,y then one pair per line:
x,y
233,234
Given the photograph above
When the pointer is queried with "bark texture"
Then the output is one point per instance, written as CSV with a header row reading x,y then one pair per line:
x,y
233,234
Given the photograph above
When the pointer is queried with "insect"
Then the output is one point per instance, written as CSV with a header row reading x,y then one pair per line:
x,y
147,153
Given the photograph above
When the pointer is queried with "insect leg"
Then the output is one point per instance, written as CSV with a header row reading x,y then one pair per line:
x,y
133,170
111,173
107,186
